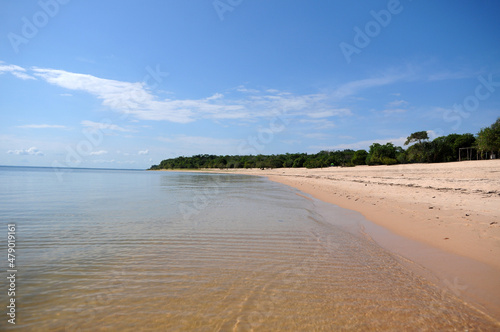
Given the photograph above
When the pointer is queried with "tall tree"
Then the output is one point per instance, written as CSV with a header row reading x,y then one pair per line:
x,y
418,136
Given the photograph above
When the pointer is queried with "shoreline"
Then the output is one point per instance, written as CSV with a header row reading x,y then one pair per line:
x,y
444,217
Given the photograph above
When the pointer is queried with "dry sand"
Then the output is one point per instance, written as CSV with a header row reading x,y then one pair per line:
x,y
453,207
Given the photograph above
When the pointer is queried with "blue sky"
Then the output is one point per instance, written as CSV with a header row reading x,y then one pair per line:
x,y
125,84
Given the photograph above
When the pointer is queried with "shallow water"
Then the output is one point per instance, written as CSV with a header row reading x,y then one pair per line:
x,y
136,250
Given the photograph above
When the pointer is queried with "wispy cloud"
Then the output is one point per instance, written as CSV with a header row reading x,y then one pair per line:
x,y
138,101
103,126
104,161
397,103
319,136
42,126
17,71
319,124
394,111
354,87
451,76
215,96
244,89
98,153
143,152
241,103
399,141
190,145
33,151
329,113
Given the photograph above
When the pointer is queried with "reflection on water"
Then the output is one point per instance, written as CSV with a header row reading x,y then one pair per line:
x,y
116,250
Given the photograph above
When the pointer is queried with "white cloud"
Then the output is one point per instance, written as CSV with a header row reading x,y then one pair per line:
x,y
143,152
244,89
354,87
102,126
394,111
17,71
329,113
272,90
140,103
33,151
437,112
397,103
291,141
320,136
98,153
216,96
191,145
42,126
135,98
399,141
433,134
99,161
319,124
450,76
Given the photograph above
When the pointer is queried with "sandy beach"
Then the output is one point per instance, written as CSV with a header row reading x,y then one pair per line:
x,y
453,207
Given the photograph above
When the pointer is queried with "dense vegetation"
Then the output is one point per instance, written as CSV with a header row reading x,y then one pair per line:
x,y
441,149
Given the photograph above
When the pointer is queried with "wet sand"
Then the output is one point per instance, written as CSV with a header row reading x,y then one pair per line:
x,y
449,211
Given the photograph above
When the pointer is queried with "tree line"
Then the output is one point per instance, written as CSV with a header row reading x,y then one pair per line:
x,y
422,150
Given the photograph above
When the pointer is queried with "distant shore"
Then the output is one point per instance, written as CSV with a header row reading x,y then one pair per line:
x,y
454,207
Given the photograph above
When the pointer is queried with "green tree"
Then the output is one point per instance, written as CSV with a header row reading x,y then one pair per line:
x,y
299,161
488,139
418,136
417,152
401,155
312,163
359,157
381,154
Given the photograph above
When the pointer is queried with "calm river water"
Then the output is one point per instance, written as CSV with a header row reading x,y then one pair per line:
x,y
131,250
